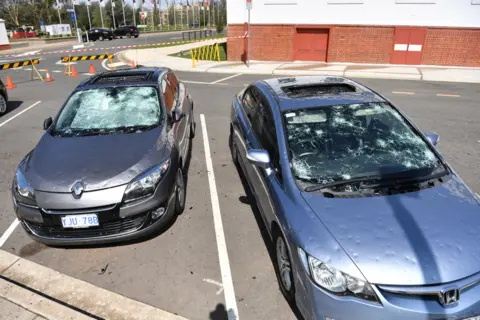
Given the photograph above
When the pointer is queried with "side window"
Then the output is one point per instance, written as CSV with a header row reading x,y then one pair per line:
x,y
264,128
168,96
249,104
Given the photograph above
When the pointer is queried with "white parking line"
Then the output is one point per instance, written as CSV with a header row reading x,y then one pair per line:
x,y
235,75
195,82
10,119
230,301
8,232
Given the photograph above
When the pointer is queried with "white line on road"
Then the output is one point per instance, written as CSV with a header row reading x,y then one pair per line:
x,y
57,71
195,82
447,95
403,92
8,120
230,301
9,232
117,64
28,53
235,75
218,284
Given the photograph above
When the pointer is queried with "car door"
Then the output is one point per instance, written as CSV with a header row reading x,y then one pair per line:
x,y
175,102
263,136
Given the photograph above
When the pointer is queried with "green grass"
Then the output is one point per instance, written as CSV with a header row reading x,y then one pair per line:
x,y
147,46
222,47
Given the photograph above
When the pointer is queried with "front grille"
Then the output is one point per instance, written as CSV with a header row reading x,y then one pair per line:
x,y
109,228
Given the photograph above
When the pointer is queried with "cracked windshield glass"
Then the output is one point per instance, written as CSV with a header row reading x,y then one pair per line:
x,y
345,142
109,110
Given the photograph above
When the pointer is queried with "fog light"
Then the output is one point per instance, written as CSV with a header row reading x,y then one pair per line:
x,y
158,213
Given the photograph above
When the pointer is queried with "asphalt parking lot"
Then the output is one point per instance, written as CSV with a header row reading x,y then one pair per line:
x,y
181,270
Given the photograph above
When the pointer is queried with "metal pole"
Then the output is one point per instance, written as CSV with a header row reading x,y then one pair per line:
x,y
248,40
204,20
59,17
193,14
113,14
181,15
101,15
123,10
88,13
174,16
134,14
218,11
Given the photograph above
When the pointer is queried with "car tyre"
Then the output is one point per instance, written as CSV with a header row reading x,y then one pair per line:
x,y
3,105
284,267
179,191
129,35
101,38
110,38
233,149
136,36
193,126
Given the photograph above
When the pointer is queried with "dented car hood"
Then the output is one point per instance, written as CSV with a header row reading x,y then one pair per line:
x,y
100,162
418,238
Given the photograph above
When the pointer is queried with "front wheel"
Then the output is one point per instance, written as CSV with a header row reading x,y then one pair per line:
x,y
101,38
136,36
3,105
179,191
284,268
129,35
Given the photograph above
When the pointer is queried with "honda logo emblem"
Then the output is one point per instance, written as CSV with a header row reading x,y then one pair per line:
x,y
449,296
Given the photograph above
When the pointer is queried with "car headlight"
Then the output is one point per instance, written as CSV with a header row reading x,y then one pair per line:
x,y
23,191
145,184
336,281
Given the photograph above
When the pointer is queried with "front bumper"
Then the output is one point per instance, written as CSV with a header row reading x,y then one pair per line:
x,y
315,303
117,223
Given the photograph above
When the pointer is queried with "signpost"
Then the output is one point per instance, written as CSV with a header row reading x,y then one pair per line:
x,y
249,7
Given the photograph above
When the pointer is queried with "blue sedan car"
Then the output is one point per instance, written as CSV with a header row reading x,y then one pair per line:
x,y
367,220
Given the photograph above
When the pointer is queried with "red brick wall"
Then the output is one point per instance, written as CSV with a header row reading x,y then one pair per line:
x,y
360,44
268,43
4,46
452,47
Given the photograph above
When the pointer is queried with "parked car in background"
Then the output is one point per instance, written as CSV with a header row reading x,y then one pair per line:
x,y
126,31
3,99
367,220
98,34
111,166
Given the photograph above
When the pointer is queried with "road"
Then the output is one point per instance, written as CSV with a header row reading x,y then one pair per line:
x,y
179,270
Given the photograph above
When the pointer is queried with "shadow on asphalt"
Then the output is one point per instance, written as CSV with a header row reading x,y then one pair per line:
x,y
220,313
12,105
250,200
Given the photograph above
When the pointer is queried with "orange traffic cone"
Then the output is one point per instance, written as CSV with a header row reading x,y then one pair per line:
x,y
92,69
74,72
10,84
48,78
133,64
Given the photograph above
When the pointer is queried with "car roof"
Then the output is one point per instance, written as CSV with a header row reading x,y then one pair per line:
x,y
124,77
318,91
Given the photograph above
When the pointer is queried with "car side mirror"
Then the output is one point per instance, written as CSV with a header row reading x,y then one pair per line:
x,y
433,138
259,158
47,123
178,115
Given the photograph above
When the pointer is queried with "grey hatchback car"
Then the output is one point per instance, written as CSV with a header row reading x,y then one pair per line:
x,y
366,218
111,166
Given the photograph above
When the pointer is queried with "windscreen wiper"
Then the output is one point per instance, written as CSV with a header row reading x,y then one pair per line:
x,y
404,181
341,183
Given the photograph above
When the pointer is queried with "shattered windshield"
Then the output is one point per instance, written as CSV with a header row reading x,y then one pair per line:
x,y
109,110
344,142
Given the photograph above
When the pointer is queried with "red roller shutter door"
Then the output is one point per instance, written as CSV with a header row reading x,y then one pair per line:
x,y
311,44
408,46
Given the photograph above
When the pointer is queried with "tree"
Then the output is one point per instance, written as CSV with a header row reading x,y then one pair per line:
x,y
12,10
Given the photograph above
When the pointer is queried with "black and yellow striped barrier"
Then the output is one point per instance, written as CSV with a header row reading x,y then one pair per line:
x,y
18,64
209,52
87,58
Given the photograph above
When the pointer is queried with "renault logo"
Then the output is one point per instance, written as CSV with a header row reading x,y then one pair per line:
x,y
449,297
77,189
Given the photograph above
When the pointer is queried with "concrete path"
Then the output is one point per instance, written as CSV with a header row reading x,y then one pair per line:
x,y
160,57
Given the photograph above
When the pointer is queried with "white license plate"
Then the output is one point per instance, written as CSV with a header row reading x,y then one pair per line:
x,y
80,221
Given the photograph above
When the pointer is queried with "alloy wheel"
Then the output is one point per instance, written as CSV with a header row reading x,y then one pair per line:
x,y
284,264
3,105
180,186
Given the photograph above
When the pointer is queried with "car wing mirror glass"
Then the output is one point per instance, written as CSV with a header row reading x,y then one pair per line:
x,y
47,123
433,138
259,158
